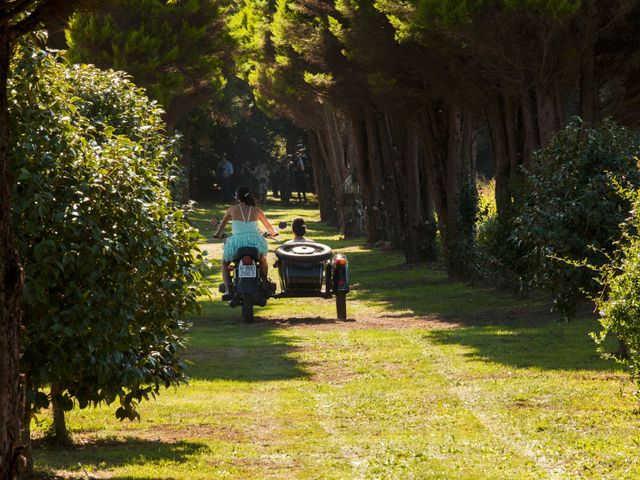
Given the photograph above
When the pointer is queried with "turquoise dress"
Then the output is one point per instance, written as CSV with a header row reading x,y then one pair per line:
x,y
245,234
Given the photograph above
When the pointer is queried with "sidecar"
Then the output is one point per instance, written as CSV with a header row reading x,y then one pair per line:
x,y
310,269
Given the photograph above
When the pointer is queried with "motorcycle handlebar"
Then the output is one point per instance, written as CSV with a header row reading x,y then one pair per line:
x,y
265,235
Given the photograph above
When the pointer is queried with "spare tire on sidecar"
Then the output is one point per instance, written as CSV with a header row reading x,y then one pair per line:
x,y
303,252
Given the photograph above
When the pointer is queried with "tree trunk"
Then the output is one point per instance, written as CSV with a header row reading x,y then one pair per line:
x,y
324,188
420,244
372,176
12,450
391,201
450,231
58,431
531,138
187,171
26,435
327,153
549,114
331,143
589,91
501,128
449,144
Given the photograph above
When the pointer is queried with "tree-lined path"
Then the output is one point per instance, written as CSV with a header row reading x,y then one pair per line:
x,y
478,162
428,378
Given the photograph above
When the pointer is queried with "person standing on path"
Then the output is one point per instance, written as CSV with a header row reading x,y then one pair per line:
x,y
287,178
300,175
261,172
225,172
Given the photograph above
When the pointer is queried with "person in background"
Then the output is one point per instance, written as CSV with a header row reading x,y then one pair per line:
x,y
300,175
247,176
287,177
224,172
275,179
261,172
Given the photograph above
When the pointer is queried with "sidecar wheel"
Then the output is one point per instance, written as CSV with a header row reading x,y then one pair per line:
x,y
247,309
341,305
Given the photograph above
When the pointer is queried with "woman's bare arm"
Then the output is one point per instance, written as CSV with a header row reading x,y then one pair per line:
x,y
223,223
262,217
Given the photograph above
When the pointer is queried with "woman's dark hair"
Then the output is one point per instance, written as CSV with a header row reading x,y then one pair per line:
x,y
244,195
298,226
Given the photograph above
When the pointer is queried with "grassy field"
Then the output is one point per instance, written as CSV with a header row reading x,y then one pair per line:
x,y
427,379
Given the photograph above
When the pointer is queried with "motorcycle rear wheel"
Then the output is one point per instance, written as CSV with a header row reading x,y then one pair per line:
x,y
247,309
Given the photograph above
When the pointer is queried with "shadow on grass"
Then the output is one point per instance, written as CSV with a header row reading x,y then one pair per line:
x,y
78,462
223,349
549,345
322,321
495,325
425,290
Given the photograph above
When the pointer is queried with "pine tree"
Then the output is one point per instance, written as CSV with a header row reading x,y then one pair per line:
x,y
180,51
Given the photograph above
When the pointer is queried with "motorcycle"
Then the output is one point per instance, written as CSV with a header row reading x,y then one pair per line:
x,y
305,269
249,286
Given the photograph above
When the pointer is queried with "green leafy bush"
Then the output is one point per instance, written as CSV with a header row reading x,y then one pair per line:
x,y
570,209
619,300
111,266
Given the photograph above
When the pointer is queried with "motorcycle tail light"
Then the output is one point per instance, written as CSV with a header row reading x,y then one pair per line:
x,y
340,283
340,260
247,260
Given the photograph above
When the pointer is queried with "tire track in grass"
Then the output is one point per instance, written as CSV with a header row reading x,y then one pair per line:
x,y
394,414
476,399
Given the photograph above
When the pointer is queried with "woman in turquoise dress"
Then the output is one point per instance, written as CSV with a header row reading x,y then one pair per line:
x,y
245,232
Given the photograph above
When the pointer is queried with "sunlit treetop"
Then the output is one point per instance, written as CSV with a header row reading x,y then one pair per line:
x,y
410,17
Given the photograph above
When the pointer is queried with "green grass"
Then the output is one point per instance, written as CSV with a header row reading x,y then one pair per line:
x,y
427,379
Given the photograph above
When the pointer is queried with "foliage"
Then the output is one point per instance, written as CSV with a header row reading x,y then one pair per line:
x,y
493,247
178,50
110,264
619,300
570,209
486,189
468,206
185,56
458,13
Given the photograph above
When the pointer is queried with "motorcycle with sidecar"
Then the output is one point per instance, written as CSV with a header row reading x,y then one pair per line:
x,y
305,269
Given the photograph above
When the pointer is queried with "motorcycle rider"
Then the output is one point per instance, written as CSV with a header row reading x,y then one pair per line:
x,y
244,216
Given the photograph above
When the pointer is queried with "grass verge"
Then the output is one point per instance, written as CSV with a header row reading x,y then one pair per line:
x,y
428,378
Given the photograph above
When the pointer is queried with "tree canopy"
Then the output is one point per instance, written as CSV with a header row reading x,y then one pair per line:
x,y
179,51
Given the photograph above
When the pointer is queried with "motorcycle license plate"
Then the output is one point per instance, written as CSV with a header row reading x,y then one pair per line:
x,y
247,271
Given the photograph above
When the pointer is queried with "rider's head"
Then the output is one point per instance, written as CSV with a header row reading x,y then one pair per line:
x,y
243,194
298,226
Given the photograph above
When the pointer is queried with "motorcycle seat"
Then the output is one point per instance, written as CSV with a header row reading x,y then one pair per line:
x,y
253,252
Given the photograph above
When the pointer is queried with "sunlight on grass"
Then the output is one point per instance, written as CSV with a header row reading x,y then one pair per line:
x,y
429,378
